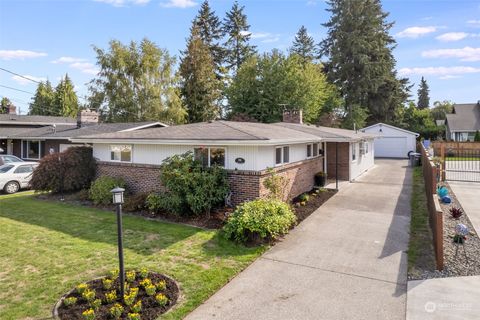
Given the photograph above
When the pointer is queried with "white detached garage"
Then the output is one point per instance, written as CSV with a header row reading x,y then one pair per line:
x,y
392,142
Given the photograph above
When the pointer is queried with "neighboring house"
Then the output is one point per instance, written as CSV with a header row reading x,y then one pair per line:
x,y
42,135
463,122
392,142
245,149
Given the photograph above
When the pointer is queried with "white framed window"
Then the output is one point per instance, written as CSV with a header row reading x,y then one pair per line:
x,y
366,147
31,149
210,156
362,147
282,155
309,150
121,153
312,150
354,151
315,149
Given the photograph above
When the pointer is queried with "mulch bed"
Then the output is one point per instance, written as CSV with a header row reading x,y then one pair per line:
x,y
315,201
150,308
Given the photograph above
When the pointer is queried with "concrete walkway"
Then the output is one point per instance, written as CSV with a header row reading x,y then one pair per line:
x,y
444,299
346,261
468,195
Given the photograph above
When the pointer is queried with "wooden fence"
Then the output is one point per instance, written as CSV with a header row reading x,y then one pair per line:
x,y
431,174
453,146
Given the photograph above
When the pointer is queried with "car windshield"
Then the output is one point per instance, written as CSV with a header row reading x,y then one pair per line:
x,y
5,168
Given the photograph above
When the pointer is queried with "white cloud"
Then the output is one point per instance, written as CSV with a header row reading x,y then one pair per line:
x,y
416,32
68,60
464,54
448,77
452,36
179,4
85,67
474,22
20,54
443,72
265,37
23,81
123,3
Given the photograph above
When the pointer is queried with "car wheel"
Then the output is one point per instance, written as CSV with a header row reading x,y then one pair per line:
x,y
11,187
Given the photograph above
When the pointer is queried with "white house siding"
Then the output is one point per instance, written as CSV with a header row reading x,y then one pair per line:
x,y
392,142
256,158
362,162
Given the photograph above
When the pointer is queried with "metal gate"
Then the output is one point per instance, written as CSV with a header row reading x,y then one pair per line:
x,y
462,165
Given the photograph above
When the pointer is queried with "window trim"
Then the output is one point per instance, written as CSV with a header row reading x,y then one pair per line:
x,y
121,145
313,154
209,156
354,151
26,156
282,148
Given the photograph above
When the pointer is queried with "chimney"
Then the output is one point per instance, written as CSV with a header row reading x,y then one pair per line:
x,y
86,117
11,109
293,116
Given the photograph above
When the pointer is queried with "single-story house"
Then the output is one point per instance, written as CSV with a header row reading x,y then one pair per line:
x,y
245,149
33,137
392,142
463,122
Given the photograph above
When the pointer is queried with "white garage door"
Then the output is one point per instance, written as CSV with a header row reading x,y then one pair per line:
x,y
391,147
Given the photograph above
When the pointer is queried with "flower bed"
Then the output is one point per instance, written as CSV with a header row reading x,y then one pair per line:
x,y
314,199
147,295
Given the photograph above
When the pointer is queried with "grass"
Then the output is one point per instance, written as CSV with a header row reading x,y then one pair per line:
x,y
462,158
48,248
421,255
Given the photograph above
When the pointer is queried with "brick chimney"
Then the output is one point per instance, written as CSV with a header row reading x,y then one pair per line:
x,y
293,116
11,109
87,117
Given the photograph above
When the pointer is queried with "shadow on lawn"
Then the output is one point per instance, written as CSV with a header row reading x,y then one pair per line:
x,y
140,235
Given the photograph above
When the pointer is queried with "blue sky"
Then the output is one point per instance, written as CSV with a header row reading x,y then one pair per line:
x,y
45,39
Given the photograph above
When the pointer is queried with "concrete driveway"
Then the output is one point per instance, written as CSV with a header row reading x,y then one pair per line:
x,y
346,261
468,195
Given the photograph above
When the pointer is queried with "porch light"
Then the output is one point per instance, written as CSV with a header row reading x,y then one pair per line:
x,y
117,195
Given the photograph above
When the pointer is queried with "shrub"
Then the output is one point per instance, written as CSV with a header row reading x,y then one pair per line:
x,y
136,202
161,285
111,296
190,187
265,218
476,138
161,299
150,290
129,298
69,301
88,295
158,202
137,307
143,273
145,283
303,197
116,311
275,184
113,274
71,170
81,288
95,304
130,275
133,316
88,314
100,189
456,213
107,283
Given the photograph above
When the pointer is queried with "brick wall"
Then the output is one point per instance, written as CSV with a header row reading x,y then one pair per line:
x,y
245,185
343,160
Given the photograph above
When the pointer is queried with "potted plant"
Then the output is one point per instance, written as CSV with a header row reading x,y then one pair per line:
x,y
320,179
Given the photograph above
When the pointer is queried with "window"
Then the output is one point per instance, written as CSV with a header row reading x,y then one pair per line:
x,y
354,151
24,169
362,148
121,153
31,149
9,159
315,149
282,155
210,156
312,150
309,150
366,147
5,168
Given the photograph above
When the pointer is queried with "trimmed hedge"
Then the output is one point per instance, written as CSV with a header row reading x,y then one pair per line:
x,y
67,171
262,218
100,191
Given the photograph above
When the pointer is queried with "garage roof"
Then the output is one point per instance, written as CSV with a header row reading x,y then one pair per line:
x,y
391,127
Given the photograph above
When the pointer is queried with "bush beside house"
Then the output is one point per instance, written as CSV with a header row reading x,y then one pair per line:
x,y
100,191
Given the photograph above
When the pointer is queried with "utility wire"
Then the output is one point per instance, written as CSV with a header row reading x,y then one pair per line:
x,y
1,85
19,75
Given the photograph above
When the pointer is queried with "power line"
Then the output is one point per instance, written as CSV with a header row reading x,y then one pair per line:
x,y
19,75
1,85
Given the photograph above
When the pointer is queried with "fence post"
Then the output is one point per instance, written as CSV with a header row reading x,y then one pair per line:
x,y
443,163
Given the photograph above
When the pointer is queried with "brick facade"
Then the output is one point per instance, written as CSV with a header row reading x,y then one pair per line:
x,y
245,185
343,160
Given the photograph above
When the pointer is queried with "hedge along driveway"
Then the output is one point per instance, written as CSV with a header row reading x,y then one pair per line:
x,y
48,248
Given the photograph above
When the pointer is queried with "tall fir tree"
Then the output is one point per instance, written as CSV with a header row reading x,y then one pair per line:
x,y
361,64
237,46
200,88
65,102
303,46
43,101
423,95
210,31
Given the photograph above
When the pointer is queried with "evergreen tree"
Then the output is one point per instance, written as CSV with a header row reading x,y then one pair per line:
x,y
200,88
303,46
43,101
65,102
237,47
423,97
361,63
136,82
4,104
210,31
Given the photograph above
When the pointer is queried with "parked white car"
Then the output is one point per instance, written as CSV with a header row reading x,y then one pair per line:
x,y
16,175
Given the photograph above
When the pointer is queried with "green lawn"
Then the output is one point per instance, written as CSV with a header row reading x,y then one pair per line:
x,y
47,248
421,255
462,158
